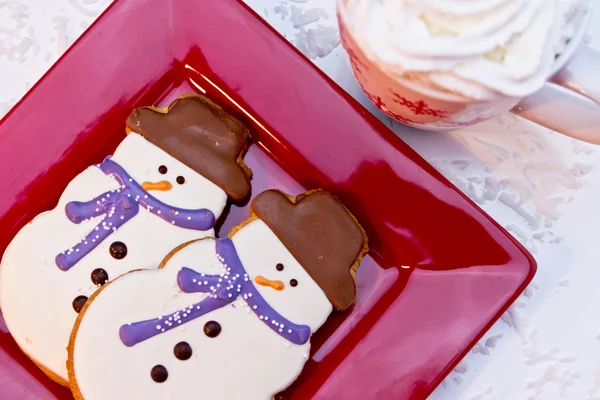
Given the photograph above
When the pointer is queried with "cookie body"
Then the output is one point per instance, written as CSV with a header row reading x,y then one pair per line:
x,y
234,354
40,300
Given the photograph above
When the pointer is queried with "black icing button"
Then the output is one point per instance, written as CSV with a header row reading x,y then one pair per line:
x,y
99,277
183,351
212,329
159,373
78,303
118,250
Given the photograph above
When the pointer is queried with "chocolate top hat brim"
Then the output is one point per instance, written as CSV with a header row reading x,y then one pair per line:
x,y
321,234
197,132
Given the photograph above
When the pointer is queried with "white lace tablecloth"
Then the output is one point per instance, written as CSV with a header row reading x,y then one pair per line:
x,y
542,187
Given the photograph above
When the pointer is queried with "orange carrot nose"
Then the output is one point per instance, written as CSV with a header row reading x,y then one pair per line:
x,y
277,285
162,185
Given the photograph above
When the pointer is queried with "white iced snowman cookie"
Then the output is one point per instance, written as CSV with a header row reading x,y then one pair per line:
x,y
167,183
226,318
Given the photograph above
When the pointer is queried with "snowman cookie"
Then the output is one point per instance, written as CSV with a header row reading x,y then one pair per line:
x,y
167,183
227,318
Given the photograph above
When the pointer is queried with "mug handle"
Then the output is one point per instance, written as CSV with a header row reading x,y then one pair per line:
x,y
570,102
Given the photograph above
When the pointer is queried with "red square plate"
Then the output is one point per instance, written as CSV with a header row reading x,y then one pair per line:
x,y
440,271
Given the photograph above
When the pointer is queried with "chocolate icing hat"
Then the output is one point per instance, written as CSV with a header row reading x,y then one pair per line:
x,y
201,135
321,234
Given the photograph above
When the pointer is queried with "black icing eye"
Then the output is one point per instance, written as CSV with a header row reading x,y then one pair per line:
x,y
180,179
279,267
163,169
118,250
159,374
293,283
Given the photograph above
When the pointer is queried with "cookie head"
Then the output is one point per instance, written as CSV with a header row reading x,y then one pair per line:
x,y
279,278
166,178
322,236
203,137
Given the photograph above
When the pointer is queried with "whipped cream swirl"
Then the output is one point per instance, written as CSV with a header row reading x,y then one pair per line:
x,y
478,49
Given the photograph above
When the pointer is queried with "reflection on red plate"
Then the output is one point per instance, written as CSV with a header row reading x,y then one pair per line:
x,y
440,270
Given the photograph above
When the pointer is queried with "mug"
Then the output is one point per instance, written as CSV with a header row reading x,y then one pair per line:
x,y
568,103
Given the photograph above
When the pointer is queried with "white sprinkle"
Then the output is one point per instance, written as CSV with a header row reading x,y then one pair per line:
x,y
162,330
158,327
249,294
145,196
103,199
206,282
130,180
85,242
97,210
189,218
93,240
122,217
266,318
255,307
202,274
229,295
176,212
199,283
159,318
159,212
282,325
96,229
107,194
245,296
122,186
77,250
197,307
273,322
194,280
261,317
173,222
184,315
289,331
97,236
280,330
128,195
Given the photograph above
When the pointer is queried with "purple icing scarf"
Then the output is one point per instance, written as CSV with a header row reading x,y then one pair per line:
x,y
119,206
223,289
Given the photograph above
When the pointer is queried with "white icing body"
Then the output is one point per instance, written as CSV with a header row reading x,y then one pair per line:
x,y
36,296
247,360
